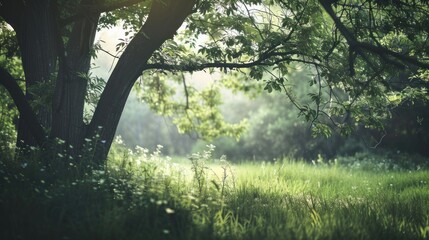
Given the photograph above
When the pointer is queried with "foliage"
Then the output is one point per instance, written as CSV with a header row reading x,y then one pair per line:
x,y
94,89
7,128
8,112
351,83
274,130
384,161
197,112
8,116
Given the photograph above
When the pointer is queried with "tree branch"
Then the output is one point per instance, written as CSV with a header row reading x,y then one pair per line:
x,y
362,46
199,67
96,9
223,65
24,108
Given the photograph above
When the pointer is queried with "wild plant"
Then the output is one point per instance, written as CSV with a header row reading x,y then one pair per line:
x,y
227,171
203,174
199,168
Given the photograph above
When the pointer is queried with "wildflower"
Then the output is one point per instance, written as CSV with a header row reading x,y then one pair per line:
x,y
169,211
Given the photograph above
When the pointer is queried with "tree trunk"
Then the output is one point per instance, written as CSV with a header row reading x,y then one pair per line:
x,y
37,33
70,89
163,21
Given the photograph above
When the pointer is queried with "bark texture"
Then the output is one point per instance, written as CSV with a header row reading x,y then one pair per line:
x,y
70,89
36,34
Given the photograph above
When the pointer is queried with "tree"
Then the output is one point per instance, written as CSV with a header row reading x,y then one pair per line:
x,y
45,56
354,49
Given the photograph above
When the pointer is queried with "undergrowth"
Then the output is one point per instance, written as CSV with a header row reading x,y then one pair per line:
x,y
145,195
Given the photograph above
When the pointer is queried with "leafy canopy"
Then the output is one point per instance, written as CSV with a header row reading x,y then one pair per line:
x,y
366,57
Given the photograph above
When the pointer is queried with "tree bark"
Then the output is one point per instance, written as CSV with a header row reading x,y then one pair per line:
x,y
36,33
70,89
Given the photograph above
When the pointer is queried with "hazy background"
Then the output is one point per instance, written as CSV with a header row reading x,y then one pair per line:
x,y
274,127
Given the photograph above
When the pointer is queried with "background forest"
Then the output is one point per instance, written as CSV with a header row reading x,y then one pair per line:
x,y
274,129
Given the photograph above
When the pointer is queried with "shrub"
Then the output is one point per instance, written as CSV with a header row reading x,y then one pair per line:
x,y
383,160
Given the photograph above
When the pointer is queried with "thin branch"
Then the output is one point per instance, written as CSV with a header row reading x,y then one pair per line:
x,y
186,91
263,61
381,140
192,68
252,20
108,53
291,98
319,81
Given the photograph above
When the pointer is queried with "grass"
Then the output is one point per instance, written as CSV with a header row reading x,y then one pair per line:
x,y
142,195
298,200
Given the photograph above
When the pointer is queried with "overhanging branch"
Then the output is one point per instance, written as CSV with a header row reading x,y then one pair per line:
x,y
223,65
362,46
267,58
23,107
199,67
88,9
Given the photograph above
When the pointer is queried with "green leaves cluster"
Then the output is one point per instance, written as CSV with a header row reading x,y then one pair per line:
x,y
8,112
195,111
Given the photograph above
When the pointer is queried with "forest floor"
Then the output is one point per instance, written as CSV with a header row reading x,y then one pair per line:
x,y
147,196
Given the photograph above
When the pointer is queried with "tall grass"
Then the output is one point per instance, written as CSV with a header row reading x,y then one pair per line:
x,y
297,200
143,195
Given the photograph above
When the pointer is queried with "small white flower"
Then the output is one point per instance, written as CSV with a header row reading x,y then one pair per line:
x,y
169,211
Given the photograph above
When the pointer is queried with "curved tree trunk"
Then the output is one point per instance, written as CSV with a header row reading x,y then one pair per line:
x,y
163,21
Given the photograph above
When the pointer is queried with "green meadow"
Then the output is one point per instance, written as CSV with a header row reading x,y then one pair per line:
x,y
143,195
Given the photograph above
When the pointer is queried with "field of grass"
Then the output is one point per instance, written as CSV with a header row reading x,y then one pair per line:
x,y
143,195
